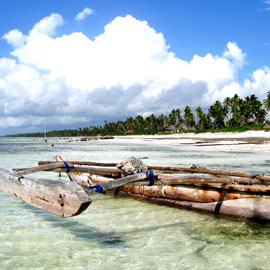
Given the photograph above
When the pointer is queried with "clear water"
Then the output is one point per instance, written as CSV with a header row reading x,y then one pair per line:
x,y
117,233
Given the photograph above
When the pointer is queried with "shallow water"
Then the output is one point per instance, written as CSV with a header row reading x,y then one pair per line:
x,y
117,233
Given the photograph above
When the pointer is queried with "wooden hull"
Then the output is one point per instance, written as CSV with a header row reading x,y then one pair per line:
x,y
250,209
61,198
229,204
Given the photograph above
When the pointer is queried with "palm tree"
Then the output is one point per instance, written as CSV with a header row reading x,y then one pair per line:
x,y
218,113
160,122
153,121
120,127
189,117
129,124
178,116
140,123
202,119
254,109
236,106
266,103
172,117
227,103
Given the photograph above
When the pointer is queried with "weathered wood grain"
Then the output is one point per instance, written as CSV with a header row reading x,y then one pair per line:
x,y
46,167
61,198
124,180
247,209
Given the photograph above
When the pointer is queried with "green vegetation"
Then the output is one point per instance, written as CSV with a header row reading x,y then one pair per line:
x,y
232,115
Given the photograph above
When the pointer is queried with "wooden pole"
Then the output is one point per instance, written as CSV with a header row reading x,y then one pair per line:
x,y
173,169
51,166
61,168
199,185
78,178
124,180
87,163
176,180
205,171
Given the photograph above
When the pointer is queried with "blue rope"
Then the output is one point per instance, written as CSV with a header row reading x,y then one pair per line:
x,y
67,167
152,177
99,189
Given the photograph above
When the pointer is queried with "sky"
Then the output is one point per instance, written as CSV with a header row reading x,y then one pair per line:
x,y
76,63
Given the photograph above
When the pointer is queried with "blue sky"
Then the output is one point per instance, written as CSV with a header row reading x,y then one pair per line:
x,y
164,53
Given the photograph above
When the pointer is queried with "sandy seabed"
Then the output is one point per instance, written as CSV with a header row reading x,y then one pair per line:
x,y
249,141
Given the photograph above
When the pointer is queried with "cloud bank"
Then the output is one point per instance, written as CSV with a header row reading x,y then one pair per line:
x,y
127,70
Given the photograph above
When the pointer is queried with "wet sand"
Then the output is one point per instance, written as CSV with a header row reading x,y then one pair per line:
x,y
250,141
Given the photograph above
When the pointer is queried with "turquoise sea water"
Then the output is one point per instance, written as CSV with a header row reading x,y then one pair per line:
x,y
117,233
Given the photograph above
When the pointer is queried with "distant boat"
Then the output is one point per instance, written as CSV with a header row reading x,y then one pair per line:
x,y
45,138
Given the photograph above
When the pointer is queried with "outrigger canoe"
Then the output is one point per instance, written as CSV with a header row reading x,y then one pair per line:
x,y
233,195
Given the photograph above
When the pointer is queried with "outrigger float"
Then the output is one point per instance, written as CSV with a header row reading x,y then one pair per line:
x,y
238,196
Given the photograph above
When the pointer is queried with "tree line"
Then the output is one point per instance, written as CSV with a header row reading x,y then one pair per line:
x,y
233,113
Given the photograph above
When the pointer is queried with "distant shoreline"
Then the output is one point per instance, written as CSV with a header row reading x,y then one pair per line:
x,y
248,141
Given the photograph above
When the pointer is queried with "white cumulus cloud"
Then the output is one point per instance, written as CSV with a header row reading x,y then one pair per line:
x,y
235,53
15,38
48,24
83,14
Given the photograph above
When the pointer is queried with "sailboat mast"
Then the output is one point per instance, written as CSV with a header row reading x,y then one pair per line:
x,y
45,139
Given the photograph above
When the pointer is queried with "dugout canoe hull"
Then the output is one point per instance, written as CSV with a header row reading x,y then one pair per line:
x,y
244,207
65,199
249,209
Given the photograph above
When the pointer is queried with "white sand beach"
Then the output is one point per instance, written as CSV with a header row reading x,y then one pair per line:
x,y
249,141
